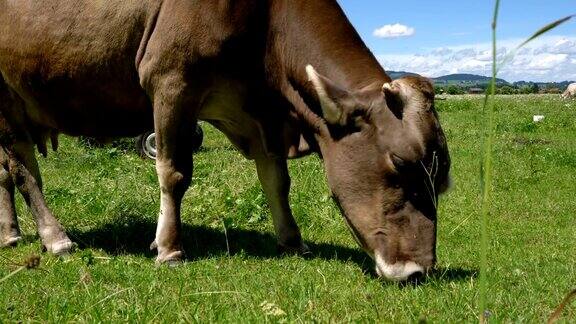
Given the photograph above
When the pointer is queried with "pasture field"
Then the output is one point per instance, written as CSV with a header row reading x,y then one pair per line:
x,y
108,200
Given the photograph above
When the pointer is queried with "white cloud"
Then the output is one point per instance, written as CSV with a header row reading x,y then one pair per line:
x,y
547,61
394,31
549,58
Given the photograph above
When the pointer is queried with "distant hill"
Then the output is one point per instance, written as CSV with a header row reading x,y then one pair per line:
x,y
463,78
459,79
471,80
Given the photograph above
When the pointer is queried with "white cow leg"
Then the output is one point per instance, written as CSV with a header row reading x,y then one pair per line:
x,y
9,231
26,175
173,184
275,180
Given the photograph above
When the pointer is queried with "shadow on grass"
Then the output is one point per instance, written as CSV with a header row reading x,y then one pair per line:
x,y
453,274
441,275
216,148
132,235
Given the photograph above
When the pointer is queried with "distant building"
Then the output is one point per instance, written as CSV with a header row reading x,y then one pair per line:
x,y
475,91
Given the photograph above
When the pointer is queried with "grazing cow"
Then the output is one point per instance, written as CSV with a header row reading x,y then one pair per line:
x,y
281,78
570,91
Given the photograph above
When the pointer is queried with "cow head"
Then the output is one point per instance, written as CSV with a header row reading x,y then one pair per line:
x,y
386,162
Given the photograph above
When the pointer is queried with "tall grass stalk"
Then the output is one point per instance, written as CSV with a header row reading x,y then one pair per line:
x,y
486,169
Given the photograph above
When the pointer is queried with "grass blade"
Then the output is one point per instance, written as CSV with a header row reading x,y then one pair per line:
x,y
537,34
8,276
554,317
546,29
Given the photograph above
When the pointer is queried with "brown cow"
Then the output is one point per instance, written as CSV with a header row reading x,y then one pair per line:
x,y
249,67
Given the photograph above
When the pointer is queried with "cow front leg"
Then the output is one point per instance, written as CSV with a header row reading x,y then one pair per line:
x,y
25,173
9,230
174,132
275,180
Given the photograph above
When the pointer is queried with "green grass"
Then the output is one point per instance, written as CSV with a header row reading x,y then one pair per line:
x,y
108,199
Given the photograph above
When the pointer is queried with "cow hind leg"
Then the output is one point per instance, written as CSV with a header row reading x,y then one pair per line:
x,y
174,126
174,179
9,230
275,180
25,174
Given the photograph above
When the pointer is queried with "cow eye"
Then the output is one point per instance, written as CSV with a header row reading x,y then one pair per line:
x,y
398,162
357,112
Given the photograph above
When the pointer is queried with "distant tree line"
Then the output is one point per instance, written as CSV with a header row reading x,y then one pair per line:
x,y
504,89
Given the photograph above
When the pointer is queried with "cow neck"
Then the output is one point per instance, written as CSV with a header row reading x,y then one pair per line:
x,y
318,33
304,32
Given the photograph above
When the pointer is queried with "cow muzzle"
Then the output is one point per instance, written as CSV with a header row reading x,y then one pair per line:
x,y
399,271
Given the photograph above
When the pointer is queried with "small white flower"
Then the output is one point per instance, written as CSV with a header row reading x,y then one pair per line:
x,y
538,118
272,309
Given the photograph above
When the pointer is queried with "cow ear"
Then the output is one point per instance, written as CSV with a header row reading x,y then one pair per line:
x,y
330,96
394,100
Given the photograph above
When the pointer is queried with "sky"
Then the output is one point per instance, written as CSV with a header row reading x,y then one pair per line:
x,y
435,38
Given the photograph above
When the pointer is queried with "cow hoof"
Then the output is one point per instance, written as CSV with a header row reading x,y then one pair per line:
x,y
61,248
173,263
171,259
302,250
11,242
